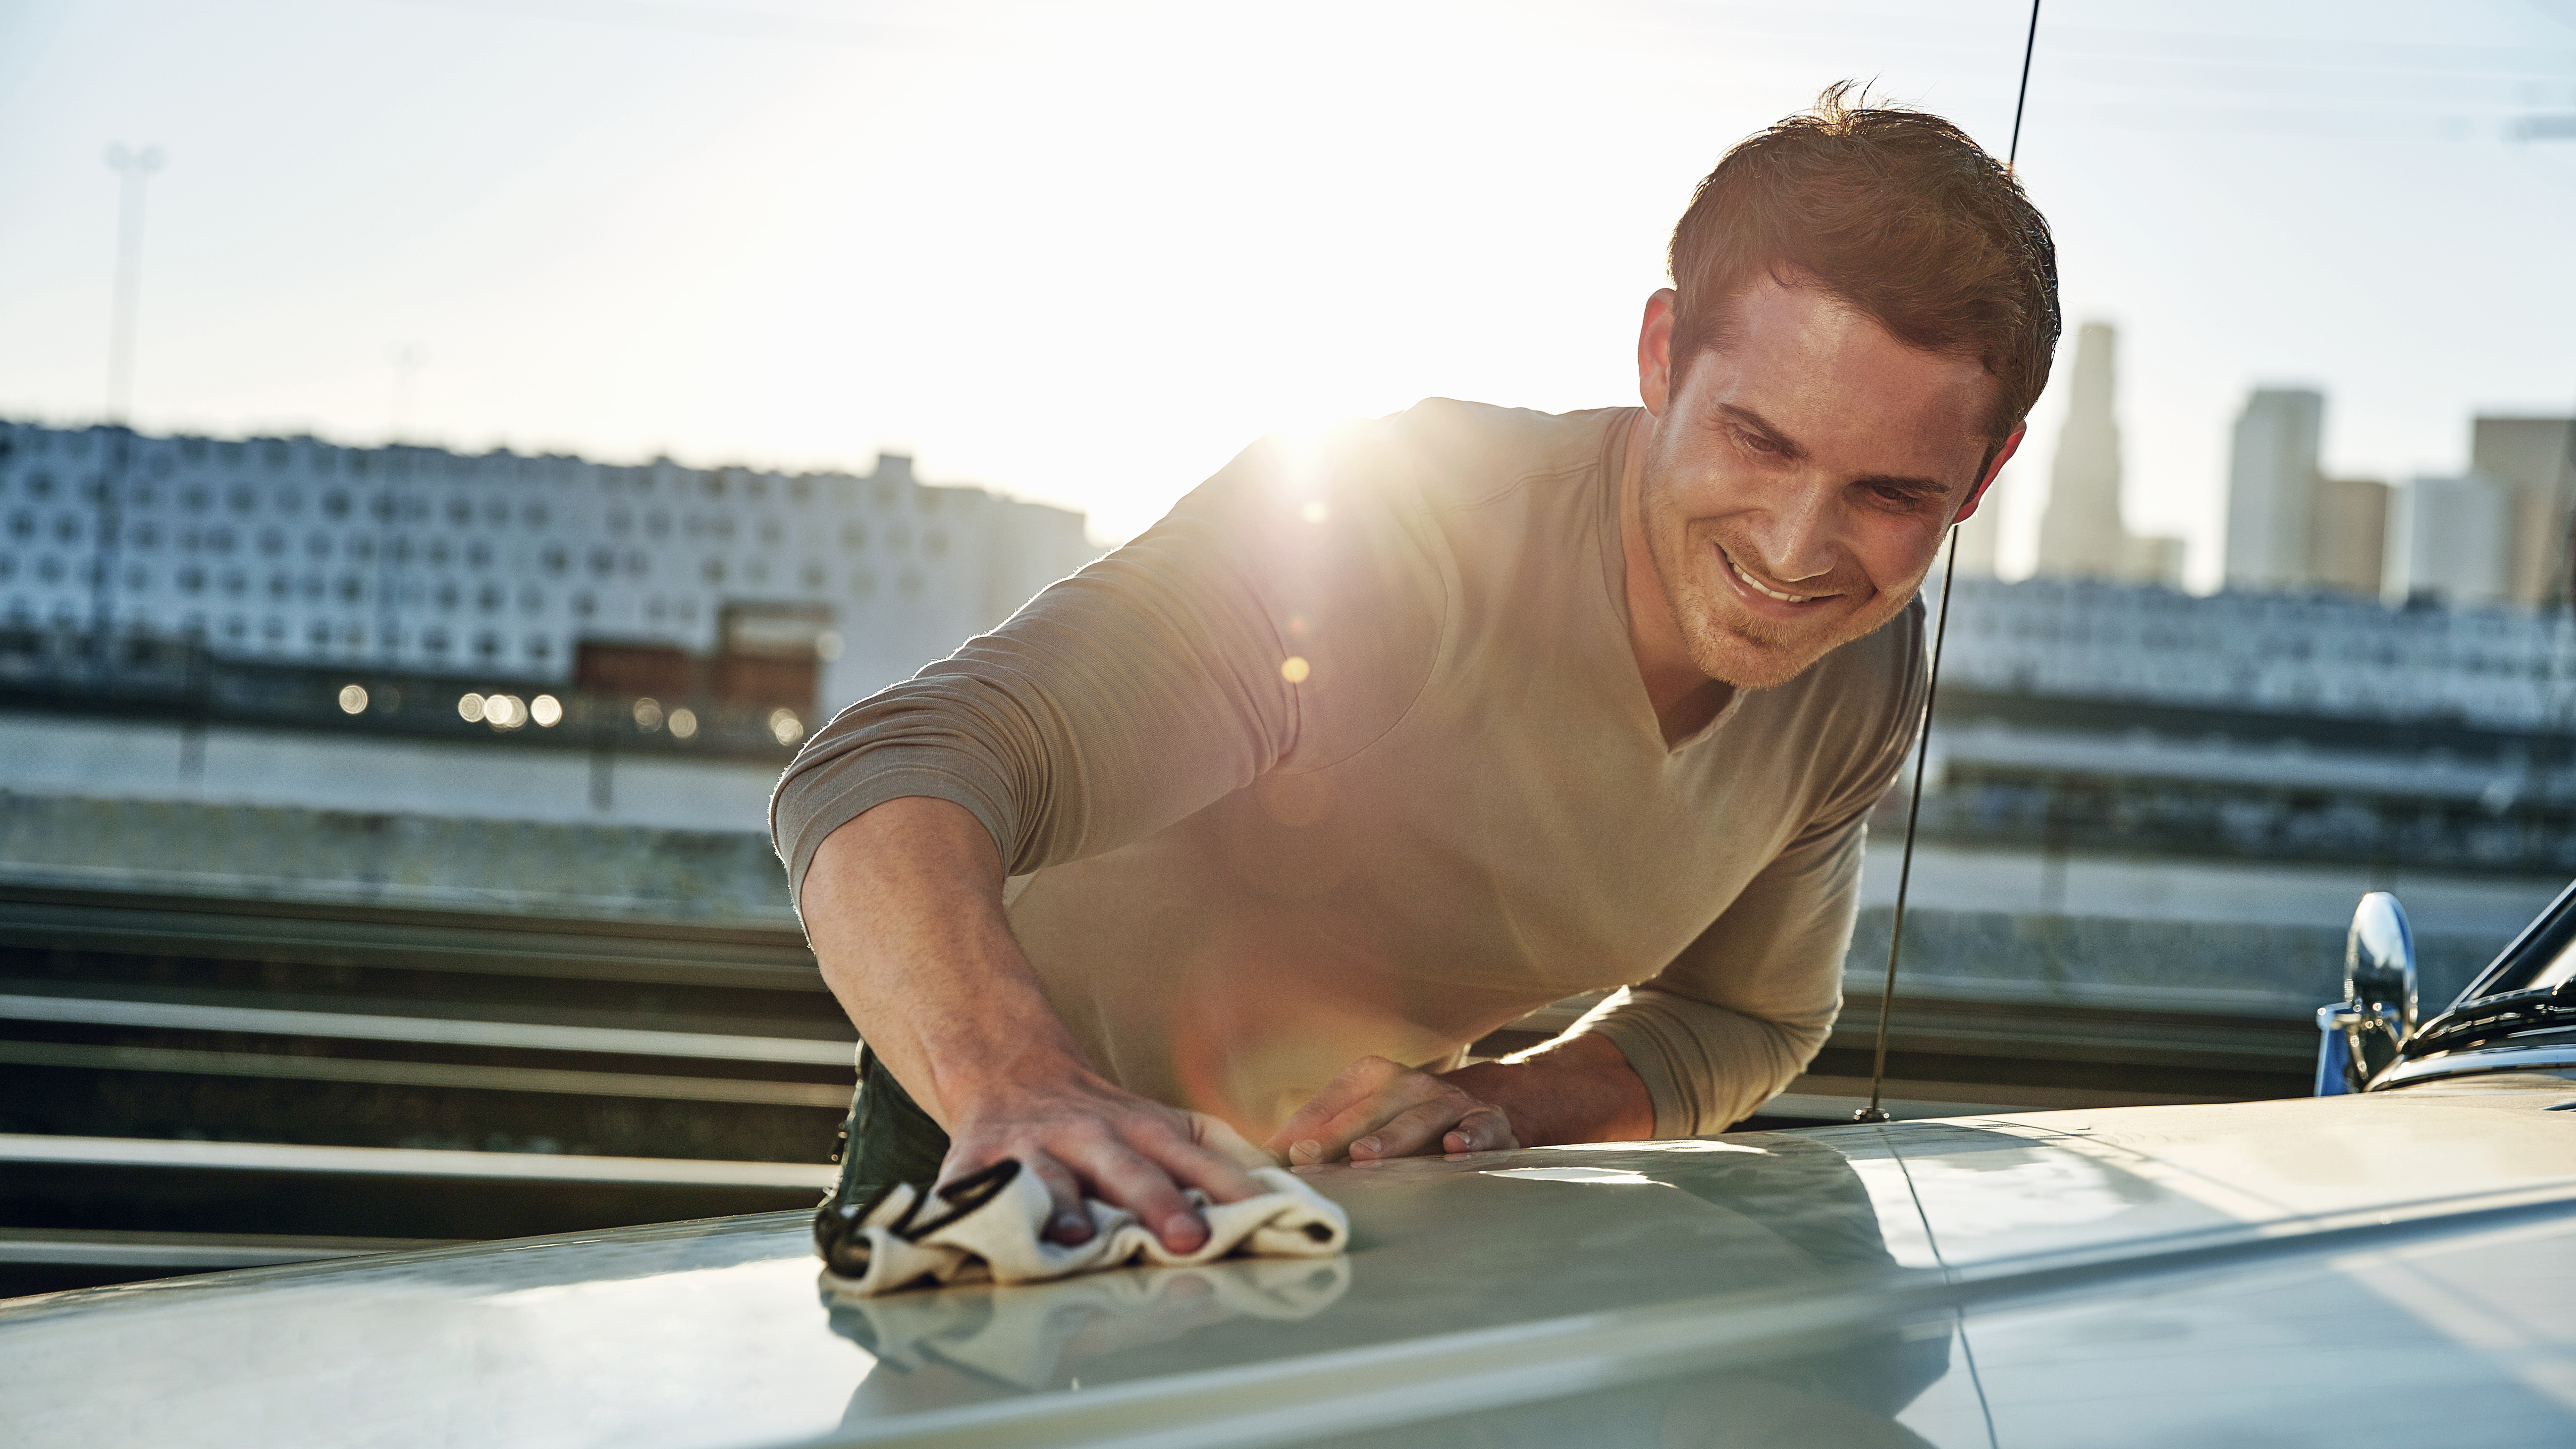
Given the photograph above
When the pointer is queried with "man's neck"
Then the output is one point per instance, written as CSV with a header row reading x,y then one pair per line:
x,y
1684,699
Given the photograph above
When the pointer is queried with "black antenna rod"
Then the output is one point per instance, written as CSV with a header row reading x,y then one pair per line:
x,y
1932,687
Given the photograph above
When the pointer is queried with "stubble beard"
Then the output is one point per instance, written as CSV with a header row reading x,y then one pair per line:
x,y
1727,643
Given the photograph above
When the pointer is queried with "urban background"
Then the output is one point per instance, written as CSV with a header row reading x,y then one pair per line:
x,y
386,724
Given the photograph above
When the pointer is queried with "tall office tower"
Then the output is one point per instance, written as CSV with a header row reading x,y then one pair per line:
x,y
2450,539
2271,488
2533,457
2081,536
2348,535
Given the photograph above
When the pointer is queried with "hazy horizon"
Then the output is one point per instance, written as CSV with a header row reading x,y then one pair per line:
x,y
1086,256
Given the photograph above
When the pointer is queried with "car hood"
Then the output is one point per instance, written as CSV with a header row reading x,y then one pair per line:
x,y
1974,1281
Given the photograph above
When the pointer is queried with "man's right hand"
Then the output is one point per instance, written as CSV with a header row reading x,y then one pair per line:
x,y
1083,1137
904,907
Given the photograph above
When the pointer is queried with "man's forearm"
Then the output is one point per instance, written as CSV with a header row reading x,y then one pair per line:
x,y
1580,1089
904,907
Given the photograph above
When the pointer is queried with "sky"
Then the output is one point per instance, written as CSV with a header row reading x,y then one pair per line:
x,y
1086,253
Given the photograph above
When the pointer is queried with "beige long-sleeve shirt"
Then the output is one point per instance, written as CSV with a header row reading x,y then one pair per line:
x,y
1350,754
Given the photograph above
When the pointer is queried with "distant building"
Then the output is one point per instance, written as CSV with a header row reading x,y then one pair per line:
x,y
2348,535
2451,539
2082,534
300,551
2315,654
2533,457
2271,489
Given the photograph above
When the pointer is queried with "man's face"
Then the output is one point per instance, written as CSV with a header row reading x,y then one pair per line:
x,y
1799,479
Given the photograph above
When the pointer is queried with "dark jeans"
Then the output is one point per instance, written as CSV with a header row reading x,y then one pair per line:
x,y
887,1138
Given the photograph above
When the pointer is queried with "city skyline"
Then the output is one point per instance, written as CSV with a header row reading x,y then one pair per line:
x,y
787,238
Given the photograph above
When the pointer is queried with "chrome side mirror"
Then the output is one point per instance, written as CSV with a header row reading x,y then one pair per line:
x,y
2359,1036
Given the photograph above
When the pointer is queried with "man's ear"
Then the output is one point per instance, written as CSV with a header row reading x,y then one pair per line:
x,y
2002,456
1655,353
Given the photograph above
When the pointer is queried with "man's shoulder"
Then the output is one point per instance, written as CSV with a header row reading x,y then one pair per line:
x,y
1872,687
1467,453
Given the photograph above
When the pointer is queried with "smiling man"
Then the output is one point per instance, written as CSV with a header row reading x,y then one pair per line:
x,y
1387,736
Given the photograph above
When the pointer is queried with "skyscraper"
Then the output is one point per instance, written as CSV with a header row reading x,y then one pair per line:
x,y
2451,539
2532,457
2080,535
2348,535
2083,533
2271,489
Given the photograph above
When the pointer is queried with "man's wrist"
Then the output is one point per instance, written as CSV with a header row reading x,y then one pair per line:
x,y
976,1082
1575,1089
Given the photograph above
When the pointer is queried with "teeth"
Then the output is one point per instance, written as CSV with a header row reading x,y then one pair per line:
x,y
1756,586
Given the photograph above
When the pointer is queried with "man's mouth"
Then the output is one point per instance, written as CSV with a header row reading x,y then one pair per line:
x,y
1765,590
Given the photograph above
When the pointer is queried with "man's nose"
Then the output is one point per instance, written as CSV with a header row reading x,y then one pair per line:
x,y
1798,536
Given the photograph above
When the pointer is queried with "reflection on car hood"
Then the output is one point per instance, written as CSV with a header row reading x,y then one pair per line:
x,y
1975,1281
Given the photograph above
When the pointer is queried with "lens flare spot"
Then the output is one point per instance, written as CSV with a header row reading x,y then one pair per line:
x,y
353,699
1295,669
470,708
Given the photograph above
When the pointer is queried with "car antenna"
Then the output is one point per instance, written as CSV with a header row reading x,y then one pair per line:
x,y
1931,686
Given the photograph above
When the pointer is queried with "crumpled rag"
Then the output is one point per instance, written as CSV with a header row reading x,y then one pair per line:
x,y
990,1227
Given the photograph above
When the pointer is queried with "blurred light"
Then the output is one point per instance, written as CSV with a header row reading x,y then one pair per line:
x,y
684,724
353,699
784,724
648,714
471,707
1315,511
827,645
1295,669
546,710
505,711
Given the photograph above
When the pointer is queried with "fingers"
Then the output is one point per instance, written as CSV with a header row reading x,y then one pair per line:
x,y
1376,1108
1134,1182
1486,1129
1067,1223
1214,1159
1454,1122
1355,1086
1369,1121
1408,1131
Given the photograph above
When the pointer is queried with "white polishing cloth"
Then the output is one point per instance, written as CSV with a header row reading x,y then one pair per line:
x,y
1001,1240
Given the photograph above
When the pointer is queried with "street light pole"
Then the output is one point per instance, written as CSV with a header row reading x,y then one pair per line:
x,y
133,168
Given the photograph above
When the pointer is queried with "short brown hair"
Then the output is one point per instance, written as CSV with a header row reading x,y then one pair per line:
x,y
1894,211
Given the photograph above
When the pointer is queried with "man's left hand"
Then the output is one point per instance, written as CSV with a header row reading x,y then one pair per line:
x,y
1377,1108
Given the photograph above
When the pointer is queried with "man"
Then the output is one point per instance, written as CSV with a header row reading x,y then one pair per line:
x,y
1385,737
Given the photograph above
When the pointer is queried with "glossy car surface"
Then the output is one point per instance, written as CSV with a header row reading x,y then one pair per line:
x,y
2396,1267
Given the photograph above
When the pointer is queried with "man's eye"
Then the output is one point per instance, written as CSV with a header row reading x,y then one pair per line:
x,y
1758,443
